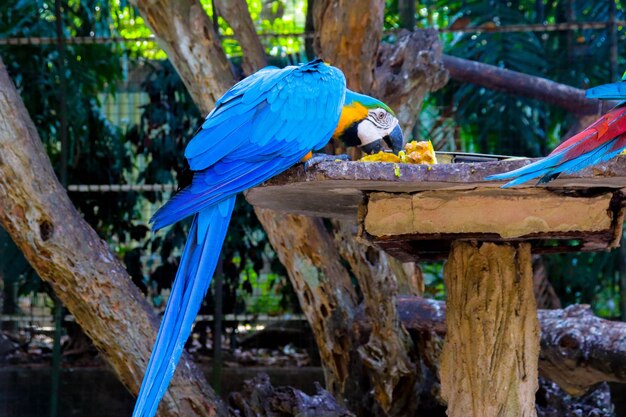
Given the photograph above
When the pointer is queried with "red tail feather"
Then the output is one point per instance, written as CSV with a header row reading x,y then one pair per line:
x,y
601,131
619,143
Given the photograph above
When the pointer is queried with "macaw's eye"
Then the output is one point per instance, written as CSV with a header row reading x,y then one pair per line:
x,y
380,118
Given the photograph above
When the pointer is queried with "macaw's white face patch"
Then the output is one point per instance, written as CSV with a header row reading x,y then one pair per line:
x,y
378,124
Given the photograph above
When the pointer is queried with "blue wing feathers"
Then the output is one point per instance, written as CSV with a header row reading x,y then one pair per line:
x,y
260,127
209,188
224,141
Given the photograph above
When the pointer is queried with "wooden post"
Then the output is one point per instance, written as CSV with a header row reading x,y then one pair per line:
x,y
489,362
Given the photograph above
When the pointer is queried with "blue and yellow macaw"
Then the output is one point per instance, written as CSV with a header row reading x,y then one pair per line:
x,y
599,142
262,126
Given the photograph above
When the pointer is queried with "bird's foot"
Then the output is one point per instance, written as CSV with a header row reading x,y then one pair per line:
x,y
322,157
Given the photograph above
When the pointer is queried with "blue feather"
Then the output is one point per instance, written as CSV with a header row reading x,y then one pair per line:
x,y
209,187
552,166
197,264
223,140
535,167
614,91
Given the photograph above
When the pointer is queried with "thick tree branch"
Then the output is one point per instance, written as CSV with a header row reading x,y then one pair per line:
x,y
186,34
236,14
495,78
348,34
87,277
578,349
326,294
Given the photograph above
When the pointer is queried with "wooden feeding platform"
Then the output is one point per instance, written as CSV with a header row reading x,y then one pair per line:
x,y
417,214
490,356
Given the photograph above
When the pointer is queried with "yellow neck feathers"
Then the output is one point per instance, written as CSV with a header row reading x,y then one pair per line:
x,y
350,114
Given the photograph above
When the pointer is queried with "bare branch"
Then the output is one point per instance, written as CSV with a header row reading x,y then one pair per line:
x,y
500,79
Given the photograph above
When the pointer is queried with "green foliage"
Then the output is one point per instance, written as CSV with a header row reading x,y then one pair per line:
x,y
130,25
433,280
588,278
472,118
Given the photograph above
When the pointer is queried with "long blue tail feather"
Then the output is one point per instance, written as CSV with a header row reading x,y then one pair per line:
x,y
197,265
527,172
550,167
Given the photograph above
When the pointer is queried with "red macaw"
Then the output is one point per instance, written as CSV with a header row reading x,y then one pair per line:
x,y
599,142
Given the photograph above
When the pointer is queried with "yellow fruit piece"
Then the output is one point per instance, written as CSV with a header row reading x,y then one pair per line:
x,y
414,153
381,157
420,153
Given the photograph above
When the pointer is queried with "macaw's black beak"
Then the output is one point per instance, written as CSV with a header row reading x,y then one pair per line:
x,y
395,139
372,147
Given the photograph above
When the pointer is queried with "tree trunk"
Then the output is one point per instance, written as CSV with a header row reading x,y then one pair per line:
x,y
87,277
393,373
490,356
348,33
